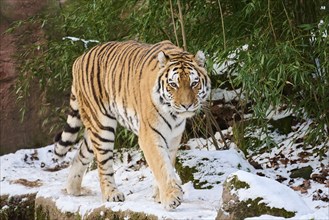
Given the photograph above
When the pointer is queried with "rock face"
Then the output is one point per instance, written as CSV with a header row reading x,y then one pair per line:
x,y
248,195
13,133
20,207
45,208
26,207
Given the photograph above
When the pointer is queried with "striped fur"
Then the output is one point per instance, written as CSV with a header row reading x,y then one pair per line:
x,y
149,89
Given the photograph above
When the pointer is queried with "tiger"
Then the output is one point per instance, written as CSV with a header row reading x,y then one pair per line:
x,y
150,89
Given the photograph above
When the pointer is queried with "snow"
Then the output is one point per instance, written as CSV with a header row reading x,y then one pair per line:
x,y
273,193
226,95
134,178
85,42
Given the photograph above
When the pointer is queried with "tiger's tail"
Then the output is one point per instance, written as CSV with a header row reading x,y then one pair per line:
x,y
68,137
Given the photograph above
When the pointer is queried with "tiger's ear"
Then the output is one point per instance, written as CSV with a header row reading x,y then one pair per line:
x,y
163,59
200,58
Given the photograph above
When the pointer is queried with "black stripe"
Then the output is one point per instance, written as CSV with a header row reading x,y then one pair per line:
x,y
179,124
83,164
169,47
163,118
107,128
113,62
95,119
74,113
113,49
103,162
98,76
70,129
102,151
105,140
107,174
132,69
92,85
98,73
159,85
86,60
81,154
58,136
159,133
87,146
146,57
125,55
58,154
108,46
174,117
65,143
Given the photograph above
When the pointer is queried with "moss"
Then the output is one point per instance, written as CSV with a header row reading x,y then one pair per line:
x,y
186,174
252,208
202,185
235,183
17,207
46,209
41,214
103,213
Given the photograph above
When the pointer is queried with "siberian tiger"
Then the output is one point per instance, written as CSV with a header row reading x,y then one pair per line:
x,y
149,89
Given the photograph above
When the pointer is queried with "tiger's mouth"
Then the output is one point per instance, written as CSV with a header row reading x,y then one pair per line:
x,y
186,114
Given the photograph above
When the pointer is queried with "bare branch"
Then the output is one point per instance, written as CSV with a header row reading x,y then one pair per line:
x,y
173,22
182,24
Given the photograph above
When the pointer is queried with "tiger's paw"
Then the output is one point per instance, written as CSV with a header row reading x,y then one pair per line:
x,y
172,198
75,191
114,196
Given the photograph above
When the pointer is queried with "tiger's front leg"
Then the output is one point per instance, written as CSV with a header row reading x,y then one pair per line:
x,y
157,155
174,145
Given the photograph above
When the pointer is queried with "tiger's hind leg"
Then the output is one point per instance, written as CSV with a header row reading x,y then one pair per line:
x,y
102,136
79,165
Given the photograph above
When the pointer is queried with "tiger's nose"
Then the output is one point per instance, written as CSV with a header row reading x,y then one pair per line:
x,y
186,106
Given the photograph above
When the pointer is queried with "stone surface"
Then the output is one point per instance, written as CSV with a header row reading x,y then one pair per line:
x,y
303,172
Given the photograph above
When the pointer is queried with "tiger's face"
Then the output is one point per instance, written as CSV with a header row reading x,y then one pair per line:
x,y
183,83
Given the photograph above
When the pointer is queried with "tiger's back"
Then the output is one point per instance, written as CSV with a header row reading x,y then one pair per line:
x,y
118,75
149,89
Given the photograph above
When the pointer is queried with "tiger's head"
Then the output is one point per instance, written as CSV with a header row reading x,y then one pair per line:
x,y
183,84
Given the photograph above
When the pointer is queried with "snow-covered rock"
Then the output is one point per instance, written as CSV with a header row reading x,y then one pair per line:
x,y
248,195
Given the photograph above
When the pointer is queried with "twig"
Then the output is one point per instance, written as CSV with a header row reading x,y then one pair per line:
x,y
211,131
289,21
182,24
173,22
214,122
222,20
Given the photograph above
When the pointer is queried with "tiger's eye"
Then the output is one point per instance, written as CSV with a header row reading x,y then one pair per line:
x,y
173,85
194,84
